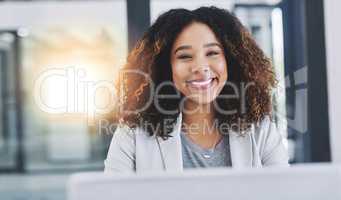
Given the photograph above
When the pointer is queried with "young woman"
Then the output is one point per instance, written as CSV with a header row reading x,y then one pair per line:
x,y
195,92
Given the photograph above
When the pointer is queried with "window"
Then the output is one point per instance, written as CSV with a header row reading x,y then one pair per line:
x,y
69,55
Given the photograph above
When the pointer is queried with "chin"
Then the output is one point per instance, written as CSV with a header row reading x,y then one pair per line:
x,y
202,101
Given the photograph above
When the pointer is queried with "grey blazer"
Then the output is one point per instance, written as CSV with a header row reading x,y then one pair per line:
x,y
135,151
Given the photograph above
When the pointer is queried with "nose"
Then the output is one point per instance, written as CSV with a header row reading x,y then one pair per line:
x,y
200,66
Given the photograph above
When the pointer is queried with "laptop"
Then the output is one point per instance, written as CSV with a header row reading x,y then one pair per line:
x,y
299,182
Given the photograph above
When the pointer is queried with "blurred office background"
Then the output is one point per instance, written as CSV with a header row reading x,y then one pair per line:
x,y
49,134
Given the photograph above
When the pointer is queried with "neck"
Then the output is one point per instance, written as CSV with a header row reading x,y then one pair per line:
x,y
198,114
198,122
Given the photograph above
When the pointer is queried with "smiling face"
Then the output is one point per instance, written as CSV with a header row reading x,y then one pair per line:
x,y
198,64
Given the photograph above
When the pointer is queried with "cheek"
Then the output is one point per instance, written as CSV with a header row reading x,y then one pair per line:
x,y
178,74
221,69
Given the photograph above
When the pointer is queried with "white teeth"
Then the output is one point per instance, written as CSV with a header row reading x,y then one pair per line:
x,y
200,83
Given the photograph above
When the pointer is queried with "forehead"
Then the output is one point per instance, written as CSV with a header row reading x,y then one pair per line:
x,y
195,34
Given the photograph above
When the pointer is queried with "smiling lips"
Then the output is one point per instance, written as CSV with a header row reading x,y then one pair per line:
x,y
201,84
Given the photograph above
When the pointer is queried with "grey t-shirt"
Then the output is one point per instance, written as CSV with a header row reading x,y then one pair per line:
x,y
194,156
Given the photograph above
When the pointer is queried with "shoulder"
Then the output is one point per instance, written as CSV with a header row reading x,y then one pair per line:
x,y
122,136
265,129
121,153
128,147
270,142
125,133
125,136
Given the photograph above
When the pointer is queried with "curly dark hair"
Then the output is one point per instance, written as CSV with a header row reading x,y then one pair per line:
x,y
151,55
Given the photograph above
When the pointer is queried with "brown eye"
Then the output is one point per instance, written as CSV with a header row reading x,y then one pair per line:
x,y
184,56
212,53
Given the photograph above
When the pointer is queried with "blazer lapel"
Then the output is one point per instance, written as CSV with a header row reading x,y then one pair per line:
x,y
241,149
171,149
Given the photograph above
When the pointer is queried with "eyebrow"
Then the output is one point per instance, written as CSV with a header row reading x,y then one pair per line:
x,y
188,46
